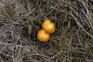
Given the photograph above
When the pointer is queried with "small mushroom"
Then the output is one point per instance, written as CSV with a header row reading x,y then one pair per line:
x,y
48,26
43,36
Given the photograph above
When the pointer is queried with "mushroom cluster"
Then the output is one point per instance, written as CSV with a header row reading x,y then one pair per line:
x,y
48,28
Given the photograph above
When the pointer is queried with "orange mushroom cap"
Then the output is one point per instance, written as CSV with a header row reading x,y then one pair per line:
x,y
43,36
48,26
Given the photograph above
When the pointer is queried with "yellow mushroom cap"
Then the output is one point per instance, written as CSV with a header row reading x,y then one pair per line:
x,y
43,36
48,26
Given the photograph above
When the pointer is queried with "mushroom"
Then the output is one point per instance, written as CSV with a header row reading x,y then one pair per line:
x,y
43,36
48,26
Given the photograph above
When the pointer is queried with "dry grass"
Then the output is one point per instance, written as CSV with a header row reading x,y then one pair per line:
x,y
72,41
